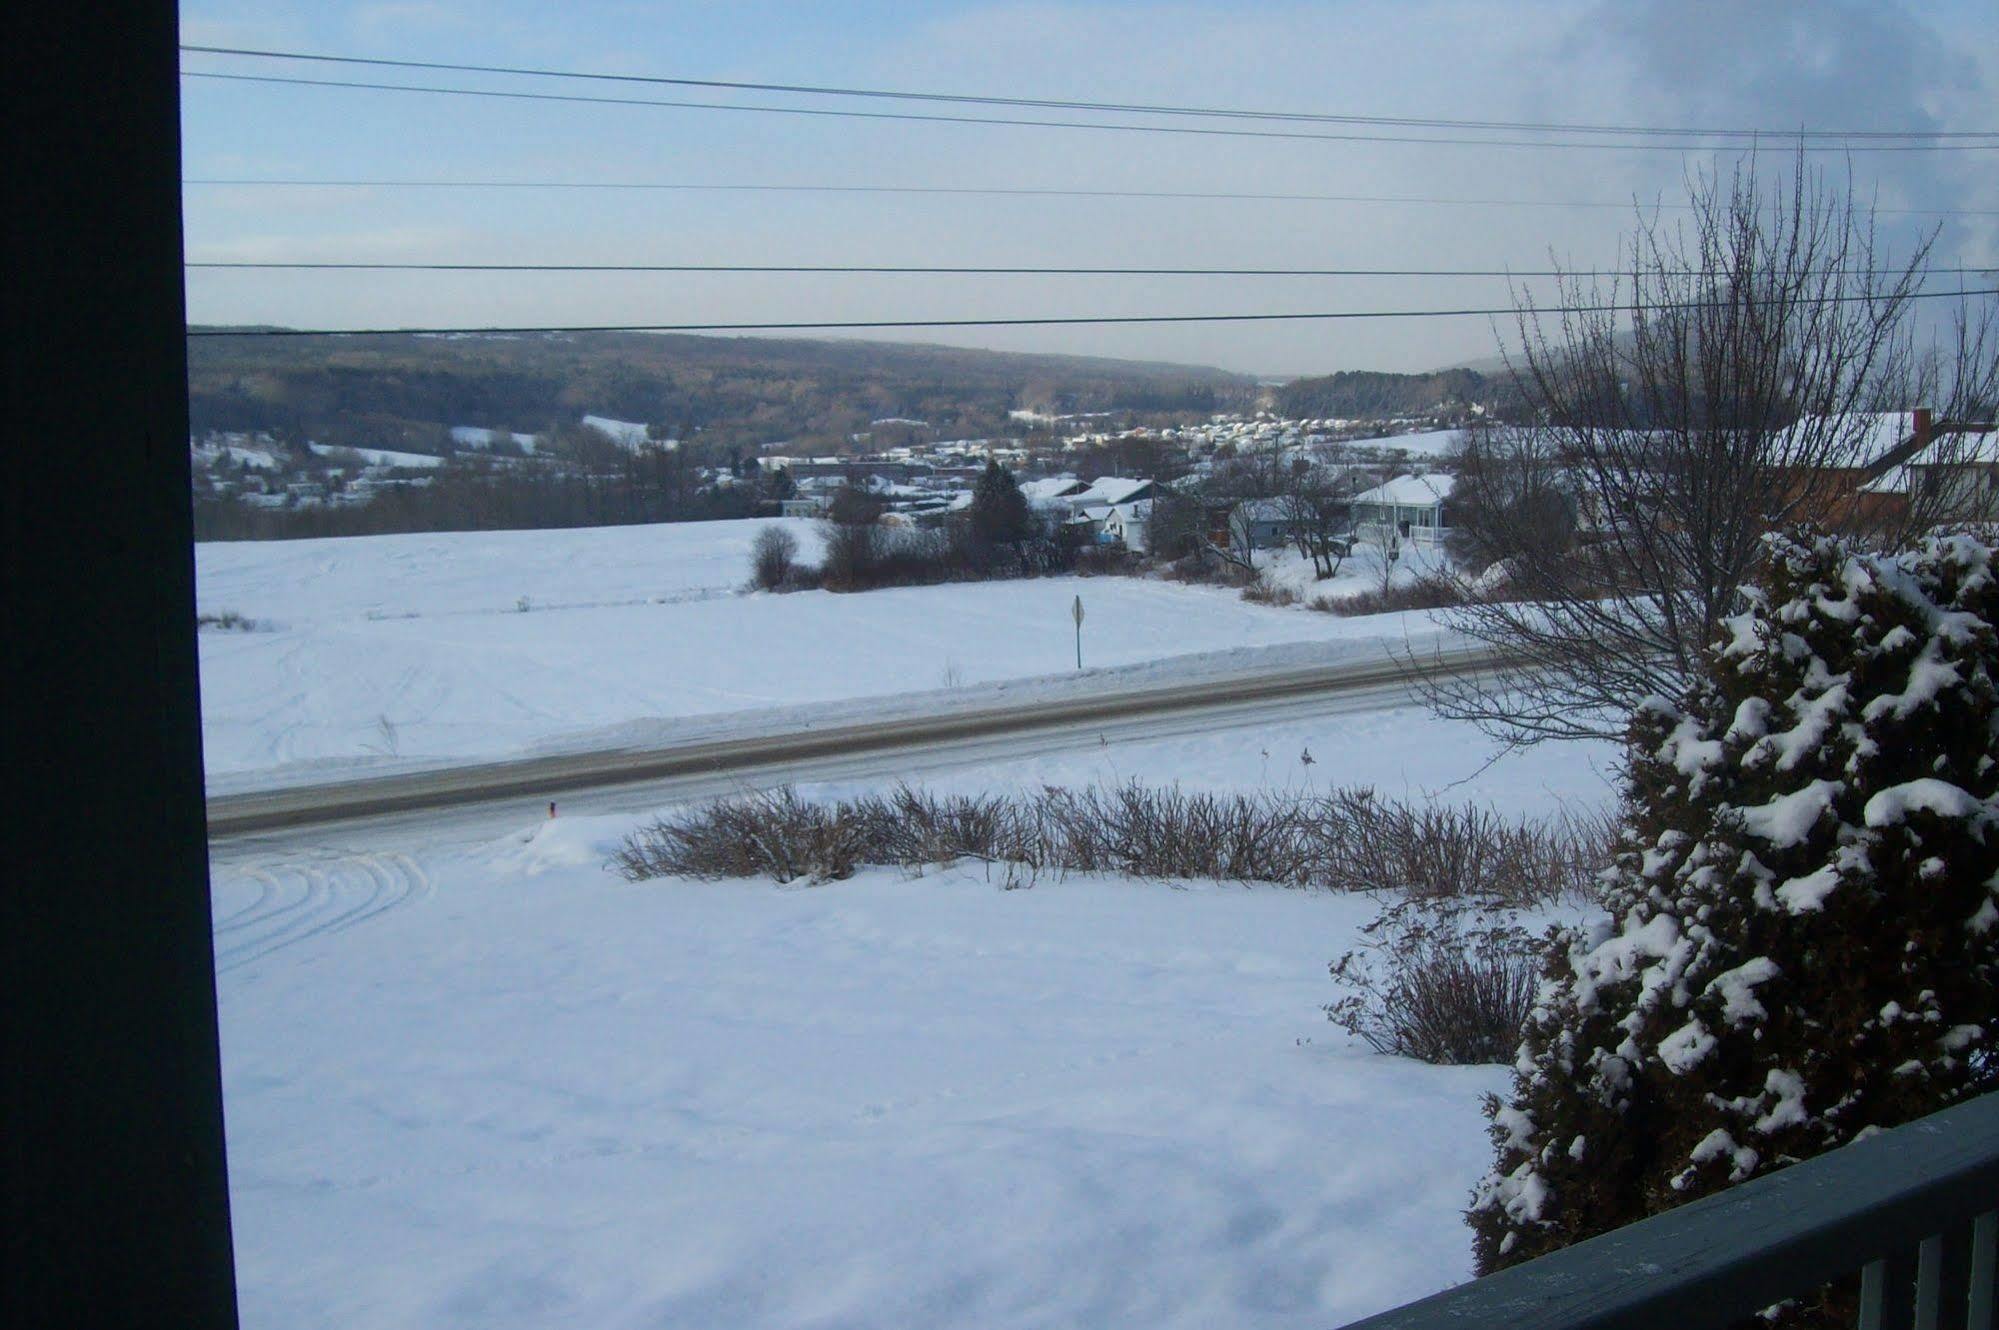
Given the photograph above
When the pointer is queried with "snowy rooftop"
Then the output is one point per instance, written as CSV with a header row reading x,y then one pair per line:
x,y
1050,487
1410,491
1863,438
1111,490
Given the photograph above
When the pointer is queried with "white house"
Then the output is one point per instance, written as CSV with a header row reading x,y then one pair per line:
x,y
1408,508
1125,522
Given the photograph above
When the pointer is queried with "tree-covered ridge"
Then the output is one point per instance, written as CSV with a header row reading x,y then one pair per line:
x,y
405,392
1374,395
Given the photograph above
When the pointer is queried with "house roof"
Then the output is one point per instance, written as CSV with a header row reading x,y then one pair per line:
x,y
1955,445
1409,492
1859,439
1112,490
1046,488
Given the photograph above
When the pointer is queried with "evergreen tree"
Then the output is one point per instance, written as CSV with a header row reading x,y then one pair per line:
x,y
1000,515
1802,942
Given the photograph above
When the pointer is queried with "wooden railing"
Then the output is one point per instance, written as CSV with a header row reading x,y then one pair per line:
x,y
1914,1212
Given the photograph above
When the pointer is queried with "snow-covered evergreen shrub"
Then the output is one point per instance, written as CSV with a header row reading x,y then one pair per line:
x,y
1803,934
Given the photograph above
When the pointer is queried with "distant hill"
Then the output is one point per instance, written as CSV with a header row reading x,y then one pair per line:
x,y
1375,395
407,391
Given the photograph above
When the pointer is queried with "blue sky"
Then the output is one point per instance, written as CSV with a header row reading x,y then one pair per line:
x,y
1853,65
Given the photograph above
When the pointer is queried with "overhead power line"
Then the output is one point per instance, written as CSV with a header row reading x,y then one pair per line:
x,y
996,191
971,270
1124,108
1116,127
882,324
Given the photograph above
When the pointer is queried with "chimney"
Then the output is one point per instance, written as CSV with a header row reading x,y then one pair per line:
x,y
1922,434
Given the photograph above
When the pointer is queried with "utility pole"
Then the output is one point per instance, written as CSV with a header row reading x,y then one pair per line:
x,y
1077,611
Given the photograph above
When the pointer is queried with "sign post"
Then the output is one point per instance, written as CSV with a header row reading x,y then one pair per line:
x,y
1076,611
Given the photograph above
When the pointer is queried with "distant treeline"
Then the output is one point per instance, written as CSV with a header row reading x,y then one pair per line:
x,y
406,392
1372,395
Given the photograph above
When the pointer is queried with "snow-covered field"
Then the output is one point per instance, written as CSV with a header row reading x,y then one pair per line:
x,y
473,1079
380,456
493,1085
442,647
1428,443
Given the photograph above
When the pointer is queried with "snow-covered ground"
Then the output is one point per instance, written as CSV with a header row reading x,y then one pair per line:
x,y
379,456
487,1083
628,433
474,1079
1428,443
480,436
443,647
1360,571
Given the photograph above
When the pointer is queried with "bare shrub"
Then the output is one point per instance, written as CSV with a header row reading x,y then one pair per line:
x,y
1425,593
772,555
773,833
1447,981
1153,832
852,550
1107,560
1206,568
911,826
1345,840
1459,852
803,577
1261,592
867,557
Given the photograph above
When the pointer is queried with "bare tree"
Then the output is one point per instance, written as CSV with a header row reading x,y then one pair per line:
x,y
772,555
1253,483
1513,494
1318,508
1725,385
1176,525
853,540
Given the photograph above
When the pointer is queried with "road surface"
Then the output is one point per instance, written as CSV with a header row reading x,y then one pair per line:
x,y
631,780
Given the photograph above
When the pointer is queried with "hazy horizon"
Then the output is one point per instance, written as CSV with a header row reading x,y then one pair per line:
x,y
1852,66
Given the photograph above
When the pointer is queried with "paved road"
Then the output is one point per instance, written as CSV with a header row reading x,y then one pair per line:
x,y
624,780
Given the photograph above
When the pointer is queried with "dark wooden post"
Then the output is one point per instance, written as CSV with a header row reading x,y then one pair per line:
x,y
117,1204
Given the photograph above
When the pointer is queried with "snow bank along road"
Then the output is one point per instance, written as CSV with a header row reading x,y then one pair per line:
x,y
737,759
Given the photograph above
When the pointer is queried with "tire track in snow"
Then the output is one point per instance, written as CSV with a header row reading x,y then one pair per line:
x,y
333,895
280,903
267,886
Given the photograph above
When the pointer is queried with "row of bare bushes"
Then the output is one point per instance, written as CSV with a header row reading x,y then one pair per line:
x,y
1340,840
1429,592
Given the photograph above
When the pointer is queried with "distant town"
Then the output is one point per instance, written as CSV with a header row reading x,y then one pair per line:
x,y
249,483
